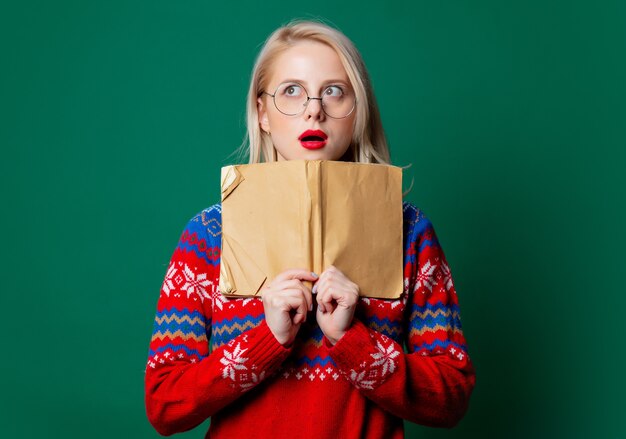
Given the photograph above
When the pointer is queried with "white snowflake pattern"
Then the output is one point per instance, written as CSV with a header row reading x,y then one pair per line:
x,y
372,374
233,362
425,277
254,380
196,283
218,298
384,358
447,276
170,278
359,380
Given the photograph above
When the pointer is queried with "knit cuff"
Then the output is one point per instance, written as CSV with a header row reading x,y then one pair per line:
x,y
351,349
365,357
265,351
250,358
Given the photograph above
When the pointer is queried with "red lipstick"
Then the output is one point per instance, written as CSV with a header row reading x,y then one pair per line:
x,y
313,139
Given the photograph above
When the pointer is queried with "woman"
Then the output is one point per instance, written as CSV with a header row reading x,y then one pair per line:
x,y
300,362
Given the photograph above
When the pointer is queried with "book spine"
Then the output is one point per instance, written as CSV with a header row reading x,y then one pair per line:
x,y
314,184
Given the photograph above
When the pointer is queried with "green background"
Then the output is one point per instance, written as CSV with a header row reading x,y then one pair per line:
x,y
117,117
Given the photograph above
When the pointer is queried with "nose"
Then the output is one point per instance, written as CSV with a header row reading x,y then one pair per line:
x,y
314,109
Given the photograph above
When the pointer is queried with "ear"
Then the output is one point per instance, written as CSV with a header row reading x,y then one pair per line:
x,y
264,122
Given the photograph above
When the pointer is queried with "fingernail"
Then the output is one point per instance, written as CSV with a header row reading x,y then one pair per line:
x,y
311,306
314,289
314,275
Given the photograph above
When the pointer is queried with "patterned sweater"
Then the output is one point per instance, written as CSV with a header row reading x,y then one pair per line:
x,y
215,357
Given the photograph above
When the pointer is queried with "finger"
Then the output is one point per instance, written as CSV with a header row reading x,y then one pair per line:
x,y
295,301
287,284
308,296
282,298
299,306
306,291
339,281
297,273
291,304
334,295
296,285
319,289
325,298
345,296
335,276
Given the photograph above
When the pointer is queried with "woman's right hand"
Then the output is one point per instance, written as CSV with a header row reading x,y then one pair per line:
x,y
286,302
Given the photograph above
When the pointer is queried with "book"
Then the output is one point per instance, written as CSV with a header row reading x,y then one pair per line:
x,y
311,214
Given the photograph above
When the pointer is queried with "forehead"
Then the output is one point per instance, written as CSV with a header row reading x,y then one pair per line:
x,y
311,62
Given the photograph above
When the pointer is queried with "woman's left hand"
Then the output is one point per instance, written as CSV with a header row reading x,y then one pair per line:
x,y
337,297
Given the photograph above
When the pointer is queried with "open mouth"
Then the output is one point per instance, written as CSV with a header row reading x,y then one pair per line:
x,y
313,139
312,142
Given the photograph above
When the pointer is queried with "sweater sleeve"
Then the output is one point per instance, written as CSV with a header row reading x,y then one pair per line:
x,y
185,383
431,383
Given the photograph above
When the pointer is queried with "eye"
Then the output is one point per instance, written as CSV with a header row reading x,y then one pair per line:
x,y
334,91
291,90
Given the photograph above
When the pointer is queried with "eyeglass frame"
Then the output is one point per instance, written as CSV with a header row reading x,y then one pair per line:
x,y
306,104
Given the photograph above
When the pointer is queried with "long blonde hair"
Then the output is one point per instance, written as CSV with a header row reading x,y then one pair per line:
x,y
368,145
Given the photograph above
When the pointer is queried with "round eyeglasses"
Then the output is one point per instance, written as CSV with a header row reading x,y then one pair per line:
x,y
291,99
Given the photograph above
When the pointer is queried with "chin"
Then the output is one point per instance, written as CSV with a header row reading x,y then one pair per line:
x,y
313,155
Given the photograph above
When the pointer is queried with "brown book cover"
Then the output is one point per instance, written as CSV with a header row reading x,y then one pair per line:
x,y
312,214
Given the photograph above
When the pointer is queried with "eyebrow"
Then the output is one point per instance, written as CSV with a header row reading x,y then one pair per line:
x,y
329,81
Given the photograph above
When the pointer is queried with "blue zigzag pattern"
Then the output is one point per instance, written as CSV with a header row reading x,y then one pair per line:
x,y
313,362
443,344
185,327
179,313
227,329
188,322
390,328
427,243
453,319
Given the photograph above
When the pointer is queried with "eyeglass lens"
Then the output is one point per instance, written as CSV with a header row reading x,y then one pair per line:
x,y
292,98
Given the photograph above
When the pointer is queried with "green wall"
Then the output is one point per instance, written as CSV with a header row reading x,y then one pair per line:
x,y
117,116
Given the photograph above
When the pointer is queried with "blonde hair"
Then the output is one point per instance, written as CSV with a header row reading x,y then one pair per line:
x,y
368,145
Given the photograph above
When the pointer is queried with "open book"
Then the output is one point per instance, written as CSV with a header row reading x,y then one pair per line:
x,y
311,214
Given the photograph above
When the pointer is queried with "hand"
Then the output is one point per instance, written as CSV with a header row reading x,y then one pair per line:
x,y
337,297
286,301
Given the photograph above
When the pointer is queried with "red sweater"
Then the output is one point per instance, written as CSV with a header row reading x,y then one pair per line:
x,y
216,357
